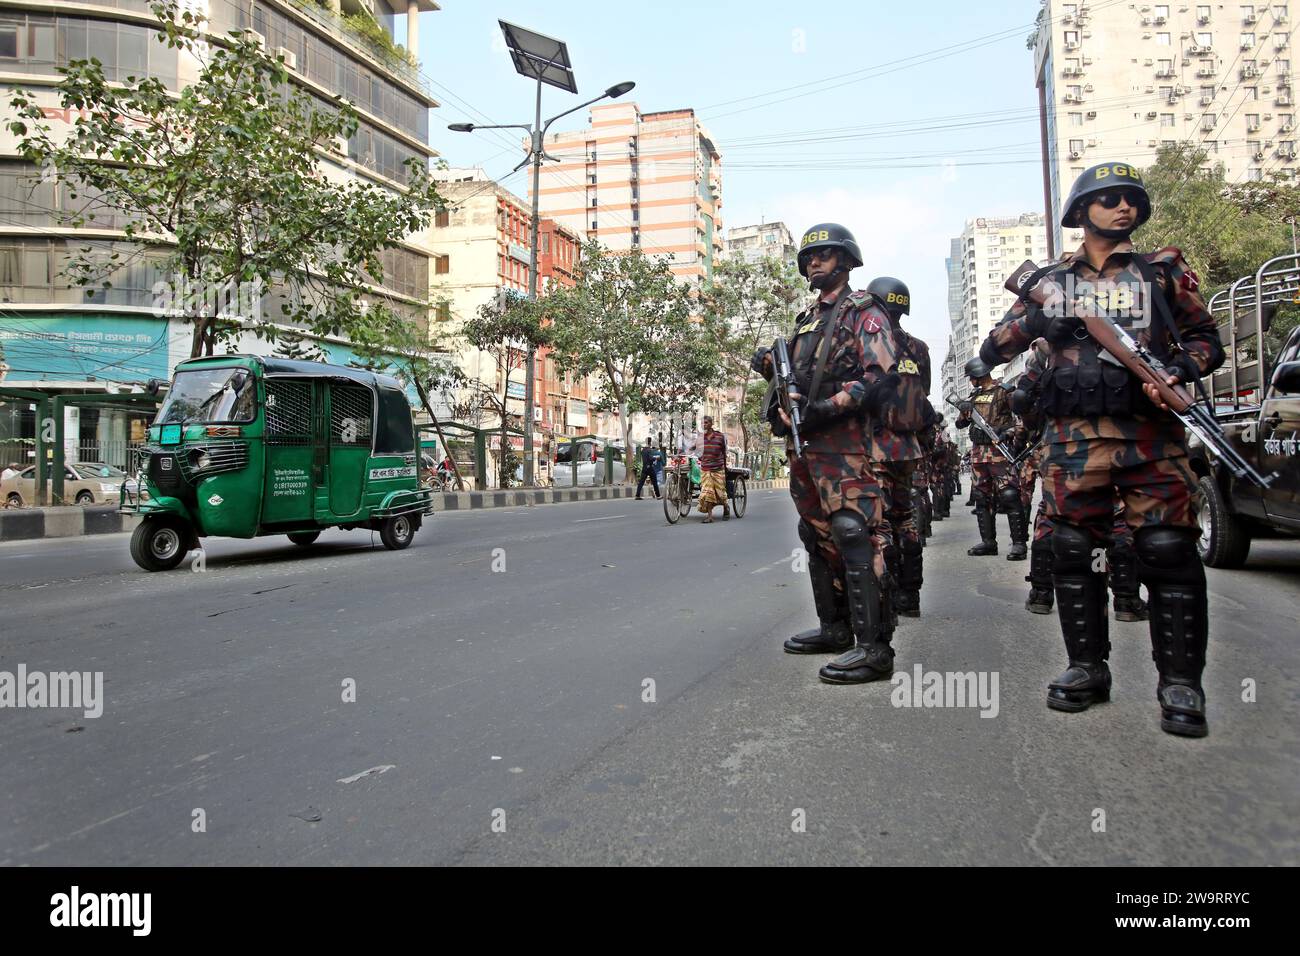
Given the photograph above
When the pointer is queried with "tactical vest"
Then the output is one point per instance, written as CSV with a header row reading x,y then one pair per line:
x,y
913,411
1098,384
983,400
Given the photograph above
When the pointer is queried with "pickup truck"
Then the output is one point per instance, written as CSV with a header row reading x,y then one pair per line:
x,y
1260,413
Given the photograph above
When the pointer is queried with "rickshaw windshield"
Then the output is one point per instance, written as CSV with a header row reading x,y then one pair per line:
x,y
208,395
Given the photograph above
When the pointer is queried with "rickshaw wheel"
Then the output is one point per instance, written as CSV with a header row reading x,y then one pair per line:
x,y
672,488
159,544
739,498
304,538
397,532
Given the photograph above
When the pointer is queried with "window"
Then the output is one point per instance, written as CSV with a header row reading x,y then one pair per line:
x,y
1247,41
1203,13
1252,92
1283,66
1166,67
1279,12
1205,39
1207,92
1255,175
1071,37
1071,9
443,219
443,311
9,41
442,265
1072,65
1076,119
1252,120
1076,145
1075,91
1166,119
1162,39
1286,119
1162,11
1166,92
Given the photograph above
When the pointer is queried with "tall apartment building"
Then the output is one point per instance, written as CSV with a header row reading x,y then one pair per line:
x,y
765,240
1117,81
987,251
56,338
633,179
480,248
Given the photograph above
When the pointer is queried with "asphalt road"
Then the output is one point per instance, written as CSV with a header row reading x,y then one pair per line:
x,y
519,697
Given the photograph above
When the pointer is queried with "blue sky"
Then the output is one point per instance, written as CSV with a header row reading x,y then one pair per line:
x,y
919,146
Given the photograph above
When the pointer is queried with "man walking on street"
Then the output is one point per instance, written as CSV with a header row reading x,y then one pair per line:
x,y
713,463
648,464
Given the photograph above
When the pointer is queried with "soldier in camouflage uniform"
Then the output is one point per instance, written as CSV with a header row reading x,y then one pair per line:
x,y
844,357
937,471
995,483
897,455
1106,436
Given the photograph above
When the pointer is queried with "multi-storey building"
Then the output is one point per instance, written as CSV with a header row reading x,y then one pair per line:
x,y
55,336
766,240
1117,81
480,247
633,179
988,250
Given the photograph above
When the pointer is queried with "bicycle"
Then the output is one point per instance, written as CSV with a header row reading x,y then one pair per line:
x,y
677,489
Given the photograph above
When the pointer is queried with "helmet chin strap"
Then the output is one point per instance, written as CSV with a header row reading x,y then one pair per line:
x,y
1115,235
820,282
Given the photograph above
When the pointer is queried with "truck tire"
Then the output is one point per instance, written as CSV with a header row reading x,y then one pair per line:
x,y
304,538
160,544
1225,538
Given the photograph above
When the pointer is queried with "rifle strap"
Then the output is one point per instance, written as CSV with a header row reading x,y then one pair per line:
x,y
1161,300
824,351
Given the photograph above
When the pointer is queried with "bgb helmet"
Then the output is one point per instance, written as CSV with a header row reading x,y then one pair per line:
x,y
893,292
1106,178
828,235
976,368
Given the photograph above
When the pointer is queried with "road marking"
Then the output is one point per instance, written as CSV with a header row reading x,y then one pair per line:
x,y
769,567
606,518
373,771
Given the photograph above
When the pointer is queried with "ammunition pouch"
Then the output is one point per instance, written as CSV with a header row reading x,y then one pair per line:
x,y
1091,388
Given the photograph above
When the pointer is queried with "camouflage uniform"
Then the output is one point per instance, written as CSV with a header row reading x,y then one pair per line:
x,y
833,477
992,475
1104,438
897,457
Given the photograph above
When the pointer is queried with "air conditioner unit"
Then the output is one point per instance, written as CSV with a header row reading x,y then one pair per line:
x,y
1146,21
1152,114
1207,100
1248,71
1284,79
1259,154
1205,71
1068,18
258,38
290,58
1173,99
341,145
1071,45
1159,21
1246,45
1092,114
1250,18
1286,127
1284,100
1151,143
1092,142
1087,88
1087,61
1071,98
1252,127
1165,71
1075,154
1202,20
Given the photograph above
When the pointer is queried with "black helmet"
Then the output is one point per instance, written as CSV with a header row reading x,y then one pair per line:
x,y
893,292
832,235
976,368
1099,179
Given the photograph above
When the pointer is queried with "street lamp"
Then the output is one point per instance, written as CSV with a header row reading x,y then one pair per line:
x,y
546,60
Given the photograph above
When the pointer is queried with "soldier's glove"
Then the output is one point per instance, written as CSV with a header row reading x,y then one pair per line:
x,y
760,363
880,392
1184,367
964,407
1061,330
817,414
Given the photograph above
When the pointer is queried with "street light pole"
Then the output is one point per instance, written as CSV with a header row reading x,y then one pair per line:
x,y
530,379
537,137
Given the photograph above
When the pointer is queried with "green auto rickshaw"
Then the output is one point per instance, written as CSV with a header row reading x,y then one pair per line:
x,y
247,445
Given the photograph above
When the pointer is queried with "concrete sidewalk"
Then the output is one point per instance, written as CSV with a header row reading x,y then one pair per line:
x,y
18,524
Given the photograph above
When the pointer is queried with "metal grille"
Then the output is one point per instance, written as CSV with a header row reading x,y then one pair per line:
x,y
288,412
352,410
222,456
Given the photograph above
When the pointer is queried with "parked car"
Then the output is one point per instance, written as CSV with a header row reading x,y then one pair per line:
x,y
84,483
590,455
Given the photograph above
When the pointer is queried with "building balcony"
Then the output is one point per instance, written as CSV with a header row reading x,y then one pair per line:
x,y
368,24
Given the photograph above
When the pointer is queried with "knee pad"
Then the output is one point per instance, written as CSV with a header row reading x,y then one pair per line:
x,y
852,536
1071,550
1168,555
1009,498
808,535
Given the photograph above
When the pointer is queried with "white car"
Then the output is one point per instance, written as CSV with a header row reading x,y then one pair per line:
x,y
84,483
590,453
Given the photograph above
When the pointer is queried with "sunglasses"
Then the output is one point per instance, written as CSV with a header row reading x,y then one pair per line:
x,y
1111,200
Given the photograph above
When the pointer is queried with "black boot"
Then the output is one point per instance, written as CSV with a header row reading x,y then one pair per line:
x,y
1019,526
1081,606
1041,598
1180,627
835,633
910,579
871,658
988,530
1127,600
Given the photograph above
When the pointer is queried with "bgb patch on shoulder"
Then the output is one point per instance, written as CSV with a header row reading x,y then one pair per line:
x,y
1190,281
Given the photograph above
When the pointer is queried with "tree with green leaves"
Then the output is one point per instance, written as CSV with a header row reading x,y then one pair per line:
x,y
225,181
506,329
747,304
628,322
1225,230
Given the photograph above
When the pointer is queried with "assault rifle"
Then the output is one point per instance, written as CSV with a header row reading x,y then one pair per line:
x,y
978,421
786,389
1116,340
